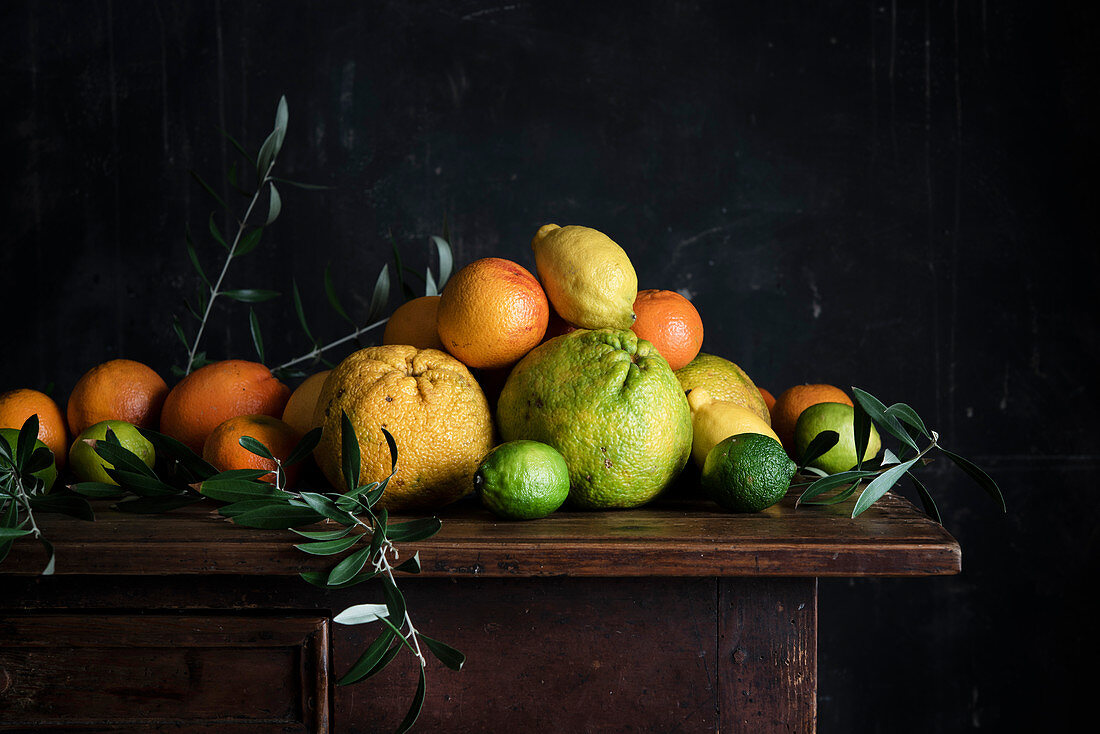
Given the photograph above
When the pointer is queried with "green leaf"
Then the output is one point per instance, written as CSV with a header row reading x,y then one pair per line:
x,y
41,458
97,490
414,530
877,412
330,292
48,570
907,415
349,452
375,494
831,482
274,205
170,448
861,432
370,658
140,484
392,445
242,506
381,295
930,507
820,445
122,458
216,233
277,517
320,578
24,445
249,242
839,497
248,475
300,185
304,447
443,652
250,295
179,332
257,337
415,707
238,490
300,311
324,506
208,189
198,267
880,486
238,146
329,547
446,260
12,533
349,567
252,445
270,148
978,475
411,565
156,505
63,504
395,600
430,288
323,534
282,115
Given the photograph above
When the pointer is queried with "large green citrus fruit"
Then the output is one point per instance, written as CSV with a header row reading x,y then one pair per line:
x,y
610,404
833,417
87,465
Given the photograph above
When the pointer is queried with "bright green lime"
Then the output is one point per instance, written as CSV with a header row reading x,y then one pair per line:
x,y
47,475
522,480
747,472
86,463
833,417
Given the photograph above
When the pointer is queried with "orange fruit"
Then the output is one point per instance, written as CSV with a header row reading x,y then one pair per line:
x,y
769,399
430,404
491,313
413,323
792,401
556,326
118,390
16,406
670,323
299,409
223,450
217,392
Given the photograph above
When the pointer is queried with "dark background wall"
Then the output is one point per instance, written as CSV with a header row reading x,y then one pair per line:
x,y
893,195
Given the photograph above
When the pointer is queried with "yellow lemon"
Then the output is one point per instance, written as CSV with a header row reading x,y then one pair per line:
x,y
713,421
587,277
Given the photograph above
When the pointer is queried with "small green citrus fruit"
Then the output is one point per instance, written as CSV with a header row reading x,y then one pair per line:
x,y
522,480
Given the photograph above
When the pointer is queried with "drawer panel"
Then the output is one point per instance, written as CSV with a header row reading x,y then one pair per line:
x,y
200,673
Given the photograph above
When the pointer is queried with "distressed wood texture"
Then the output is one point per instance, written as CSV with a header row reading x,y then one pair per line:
x,y
105,672
767,655
671,538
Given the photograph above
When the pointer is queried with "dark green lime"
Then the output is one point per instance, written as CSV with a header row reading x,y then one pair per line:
x,y
747,473
522,480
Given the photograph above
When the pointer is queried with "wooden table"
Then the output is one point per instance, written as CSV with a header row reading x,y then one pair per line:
x,y
672,617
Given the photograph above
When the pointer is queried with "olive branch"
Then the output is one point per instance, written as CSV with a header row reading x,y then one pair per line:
x,y
903,423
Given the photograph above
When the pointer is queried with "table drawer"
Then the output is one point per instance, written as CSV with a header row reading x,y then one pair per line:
x,y
106,672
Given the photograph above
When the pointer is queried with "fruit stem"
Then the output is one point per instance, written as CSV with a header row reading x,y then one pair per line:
x,y
214,292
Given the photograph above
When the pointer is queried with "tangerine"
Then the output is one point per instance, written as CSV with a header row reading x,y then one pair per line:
x,y
121,390
792,401
491,313
210,395
223,449
413,323
769,399
670,323
16,406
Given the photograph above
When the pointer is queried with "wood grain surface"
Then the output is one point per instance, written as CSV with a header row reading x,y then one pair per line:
x,y
673,537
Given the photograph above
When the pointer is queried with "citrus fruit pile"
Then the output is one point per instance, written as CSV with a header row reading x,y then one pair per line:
x,y
563,386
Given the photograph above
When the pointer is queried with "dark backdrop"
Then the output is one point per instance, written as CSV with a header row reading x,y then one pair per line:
x,y
893,195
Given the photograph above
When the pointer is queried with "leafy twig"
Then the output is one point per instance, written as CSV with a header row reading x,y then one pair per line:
x,y
904,424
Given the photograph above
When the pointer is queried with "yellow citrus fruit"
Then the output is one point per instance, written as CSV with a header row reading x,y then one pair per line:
x,y
724,381
491,313
432,406
792,401
298,412
610,404
587,276
16,406
713,421
414,323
